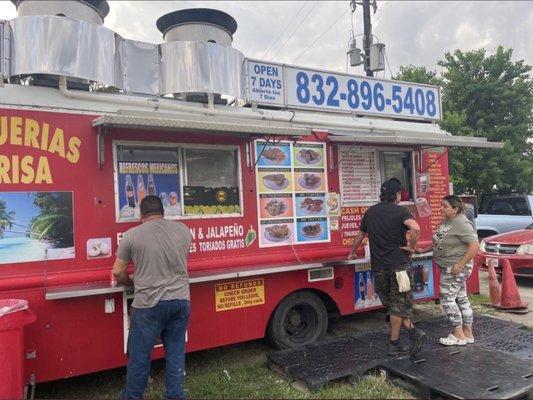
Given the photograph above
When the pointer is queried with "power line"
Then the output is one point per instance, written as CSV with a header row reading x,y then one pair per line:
x,y
322,34
378,17
387,60
284,29
293,32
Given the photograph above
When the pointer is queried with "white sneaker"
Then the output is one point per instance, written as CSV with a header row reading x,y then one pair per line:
x,y
451,340
469,340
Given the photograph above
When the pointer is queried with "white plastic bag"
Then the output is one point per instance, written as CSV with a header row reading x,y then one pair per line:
x,y
404,285
422,207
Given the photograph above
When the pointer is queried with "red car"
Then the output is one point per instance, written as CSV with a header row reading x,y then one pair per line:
x,y
516,246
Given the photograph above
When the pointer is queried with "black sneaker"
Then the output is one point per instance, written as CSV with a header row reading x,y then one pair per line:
x,y
417,337
397,350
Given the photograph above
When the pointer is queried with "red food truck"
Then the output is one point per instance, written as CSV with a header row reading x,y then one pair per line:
x,y
270,166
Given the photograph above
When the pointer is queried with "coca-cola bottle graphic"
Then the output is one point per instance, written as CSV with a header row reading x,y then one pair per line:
x,y
141,191
369,288
361,287
130,196
150,187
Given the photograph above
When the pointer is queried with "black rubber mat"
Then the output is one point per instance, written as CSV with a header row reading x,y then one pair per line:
x,y
468,373
315,365
518,343
484,327
379,339
473,371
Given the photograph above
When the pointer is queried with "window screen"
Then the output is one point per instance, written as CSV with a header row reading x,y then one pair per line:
x,y
211,181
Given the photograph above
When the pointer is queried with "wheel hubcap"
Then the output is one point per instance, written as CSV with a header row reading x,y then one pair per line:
x,y
299,322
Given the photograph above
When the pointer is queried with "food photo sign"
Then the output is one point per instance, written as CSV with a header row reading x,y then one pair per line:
x,y
291,183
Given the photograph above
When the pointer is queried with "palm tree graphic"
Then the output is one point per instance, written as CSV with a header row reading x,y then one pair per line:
x,y
7,218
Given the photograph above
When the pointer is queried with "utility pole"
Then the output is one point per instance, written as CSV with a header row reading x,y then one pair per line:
x,y
376,51
367,35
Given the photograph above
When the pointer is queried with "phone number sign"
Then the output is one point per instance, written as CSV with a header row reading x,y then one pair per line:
x,y
304,88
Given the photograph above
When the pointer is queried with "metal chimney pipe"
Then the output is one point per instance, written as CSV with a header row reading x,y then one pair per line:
x,y
93,11
198,25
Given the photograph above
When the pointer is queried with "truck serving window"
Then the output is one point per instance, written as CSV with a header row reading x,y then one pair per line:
x,y
398,165
211,181
147,170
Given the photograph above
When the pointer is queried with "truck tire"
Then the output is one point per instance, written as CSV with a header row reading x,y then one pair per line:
x,y
300,319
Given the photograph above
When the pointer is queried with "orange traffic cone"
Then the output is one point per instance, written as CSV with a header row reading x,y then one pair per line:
x,y
510,296
495,294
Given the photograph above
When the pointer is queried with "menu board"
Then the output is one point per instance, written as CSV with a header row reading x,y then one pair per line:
x,y
438,188
291,186
358,175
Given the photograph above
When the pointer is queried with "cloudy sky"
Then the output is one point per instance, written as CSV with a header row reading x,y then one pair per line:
x,y
316,33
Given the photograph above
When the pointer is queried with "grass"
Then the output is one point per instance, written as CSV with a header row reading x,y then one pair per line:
x,y
231,372
479,304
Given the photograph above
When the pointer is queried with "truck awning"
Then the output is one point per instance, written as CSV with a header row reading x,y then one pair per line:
x,y
204,124
420,140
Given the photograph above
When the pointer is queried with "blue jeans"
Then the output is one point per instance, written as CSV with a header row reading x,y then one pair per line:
x,y
168,320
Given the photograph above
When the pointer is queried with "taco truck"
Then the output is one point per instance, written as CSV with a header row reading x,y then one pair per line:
x,y
271,167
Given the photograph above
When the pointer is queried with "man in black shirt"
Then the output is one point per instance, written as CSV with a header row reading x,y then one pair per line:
x,y
386,224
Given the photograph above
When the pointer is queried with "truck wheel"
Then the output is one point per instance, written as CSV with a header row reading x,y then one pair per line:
x,y
301,318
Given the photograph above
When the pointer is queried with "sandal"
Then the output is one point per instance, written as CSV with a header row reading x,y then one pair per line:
x,y
451,340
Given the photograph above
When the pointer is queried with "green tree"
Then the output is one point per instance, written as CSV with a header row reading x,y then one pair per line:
x,y
54,222
490,96
7,218
413,73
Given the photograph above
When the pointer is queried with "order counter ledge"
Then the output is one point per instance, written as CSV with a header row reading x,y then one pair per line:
x,y
88,289
99,288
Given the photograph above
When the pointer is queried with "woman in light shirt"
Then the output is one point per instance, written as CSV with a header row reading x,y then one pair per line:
x,y
455,243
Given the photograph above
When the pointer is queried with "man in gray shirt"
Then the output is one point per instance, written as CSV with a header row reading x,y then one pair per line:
x,y
161,307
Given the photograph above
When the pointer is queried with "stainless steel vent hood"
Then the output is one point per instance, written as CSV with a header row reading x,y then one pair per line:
x,y
50,39
93,11
198,25
197,58
50,54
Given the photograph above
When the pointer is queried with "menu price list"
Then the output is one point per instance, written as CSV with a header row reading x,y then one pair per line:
x,y
438,186
350,222
358,175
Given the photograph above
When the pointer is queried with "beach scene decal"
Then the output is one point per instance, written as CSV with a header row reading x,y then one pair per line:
x,y
36,226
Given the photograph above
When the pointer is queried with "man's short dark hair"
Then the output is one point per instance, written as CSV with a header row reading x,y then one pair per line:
x,y
389,189
151,205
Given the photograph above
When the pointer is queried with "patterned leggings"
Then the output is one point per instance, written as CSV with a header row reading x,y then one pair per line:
x,y
453,296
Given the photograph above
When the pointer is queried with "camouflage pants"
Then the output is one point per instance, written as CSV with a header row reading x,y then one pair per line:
x,y
453,296
400,304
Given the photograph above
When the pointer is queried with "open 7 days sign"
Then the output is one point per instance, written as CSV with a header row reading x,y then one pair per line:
x,y
287,86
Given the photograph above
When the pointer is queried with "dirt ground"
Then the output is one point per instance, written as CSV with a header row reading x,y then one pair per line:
x,y
375,320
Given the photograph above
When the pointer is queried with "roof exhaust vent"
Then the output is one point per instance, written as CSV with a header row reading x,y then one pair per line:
x,y
93,11
204,35
90,11
198,25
